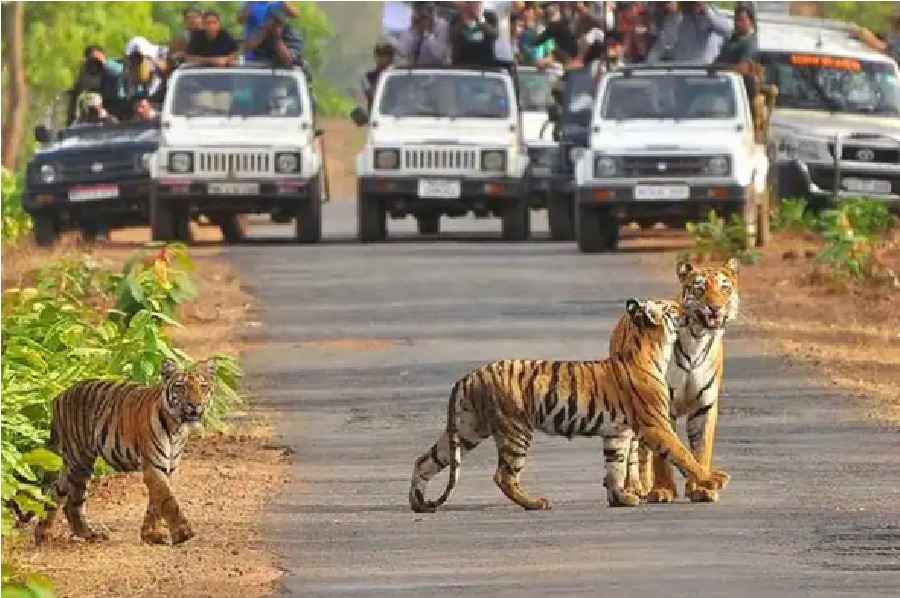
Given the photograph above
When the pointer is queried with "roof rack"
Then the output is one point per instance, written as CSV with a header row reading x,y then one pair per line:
x,y
709,69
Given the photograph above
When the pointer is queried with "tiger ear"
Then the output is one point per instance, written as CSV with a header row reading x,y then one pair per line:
x,y
732,265
633,306
683,270
168,368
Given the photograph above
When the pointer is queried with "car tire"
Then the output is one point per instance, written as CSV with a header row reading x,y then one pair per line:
x,y
45,229
308,217
162,220
516,222
596,230
428,224
371,219
234,227
561,217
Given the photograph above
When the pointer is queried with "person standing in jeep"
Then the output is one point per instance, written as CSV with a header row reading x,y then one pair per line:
x,y
473,35
384,56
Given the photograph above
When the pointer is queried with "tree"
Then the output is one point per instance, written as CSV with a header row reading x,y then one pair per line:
x,y
17,93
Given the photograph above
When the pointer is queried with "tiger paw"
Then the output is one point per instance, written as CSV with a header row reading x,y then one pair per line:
x,y
716,480
662,495
637,489
95,536
623,498
538,504
702,495
154,536
182,534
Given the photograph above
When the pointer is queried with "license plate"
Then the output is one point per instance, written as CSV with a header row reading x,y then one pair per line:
x,y
663,192
233,188
867,185
93,192
438,189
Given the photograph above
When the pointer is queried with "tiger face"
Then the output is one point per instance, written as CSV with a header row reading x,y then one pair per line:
x,y
656,317
186,392
709,295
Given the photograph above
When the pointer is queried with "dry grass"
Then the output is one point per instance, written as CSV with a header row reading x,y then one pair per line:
x,y
848,332
222,484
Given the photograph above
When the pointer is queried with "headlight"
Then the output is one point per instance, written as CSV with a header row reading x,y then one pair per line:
x,y
146,161
48,173
493,160
717,166
605,166
287,163
387,159
181,162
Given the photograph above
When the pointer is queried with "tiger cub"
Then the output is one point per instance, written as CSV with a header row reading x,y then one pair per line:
x,y
511,398
133,427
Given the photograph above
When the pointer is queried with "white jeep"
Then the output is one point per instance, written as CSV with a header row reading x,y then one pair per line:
x,y
238,140
442,141
666,145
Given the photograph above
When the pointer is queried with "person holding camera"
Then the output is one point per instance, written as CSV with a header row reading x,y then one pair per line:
x,y
693,34
145,69
427,41
474,32
253,16
276,41
215,46
97,74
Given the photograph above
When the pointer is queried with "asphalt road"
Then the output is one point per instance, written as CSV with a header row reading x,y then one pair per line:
x,y
813,508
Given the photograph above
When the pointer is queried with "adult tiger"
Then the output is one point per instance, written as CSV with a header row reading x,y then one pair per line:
x,y
133,427
508,399
710,300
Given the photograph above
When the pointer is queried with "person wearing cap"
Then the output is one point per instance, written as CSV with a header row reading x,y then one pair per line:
x,y
215,47
144,68
889,44
92,110
384,56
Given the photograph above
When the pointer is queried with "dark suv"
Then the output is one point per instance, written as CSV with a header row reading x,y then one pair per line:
x,y
90,177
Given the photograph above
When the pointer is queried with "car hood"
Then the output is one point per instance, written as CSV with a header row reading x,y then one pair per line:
x,y
823,124
441,132
145,140
532,122
650,137
237,132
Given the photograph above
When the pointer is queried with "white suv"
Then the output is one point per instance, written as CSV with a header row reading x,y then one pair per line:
x,y
667,144
238,140
442,141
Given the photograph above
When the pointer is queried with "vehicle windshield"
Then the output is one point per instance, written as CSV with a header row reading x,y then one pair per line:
x,y
445,95
833,83
670,96
534,94
220,93
578,95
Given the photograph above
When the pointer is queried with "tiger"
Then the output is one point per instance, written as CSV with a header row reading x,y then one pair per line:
x,y
510,398
133,427
710,299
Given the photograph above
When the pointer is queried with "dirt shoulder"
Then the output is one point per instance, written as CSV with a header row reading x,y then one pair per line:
x,y
343,140
224,481
850,334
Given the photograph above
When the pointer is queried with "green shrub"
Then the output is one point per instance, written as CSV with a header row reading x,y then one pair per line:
x,y
852,233
715,239
792,215
15,221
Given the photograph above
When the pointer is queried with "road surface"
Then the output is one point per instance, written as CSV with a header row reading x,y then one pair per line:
x,y
813,508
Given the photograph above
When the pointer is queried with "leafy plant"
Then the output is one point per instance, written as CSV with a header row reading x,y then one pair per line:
x,y
792,215
717,239
852,243
158,282
863,214
15,221
19,584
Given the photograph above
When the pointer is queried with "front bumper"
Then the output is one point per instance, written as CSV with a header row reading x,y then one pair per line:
x,y
620,199
403,193
129,207
818,181
244,195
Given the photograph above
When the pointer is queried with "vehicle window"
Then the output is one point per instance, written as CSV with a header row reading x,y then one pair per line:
x,y
680,96
534,94
833,83
445,95
236,94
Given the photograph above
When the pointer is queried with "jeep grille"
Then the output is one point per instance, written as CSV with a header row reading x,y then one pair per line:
x,y
867,154
440,159
233,162
665,166
90,167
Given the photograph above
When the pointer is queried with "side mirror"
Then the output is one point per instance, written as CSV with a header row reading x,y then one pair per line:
x,y
554,113
42,134
359,116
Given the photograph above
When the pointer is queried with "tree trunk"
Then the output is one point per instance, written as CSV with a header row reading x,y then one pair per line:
x,y
17,107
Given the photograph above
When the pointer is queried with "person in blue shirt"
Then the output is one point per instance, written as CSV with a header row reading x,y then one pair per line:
x,y
254,14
